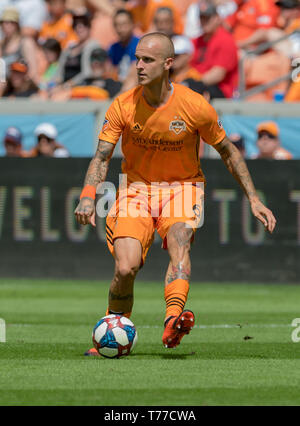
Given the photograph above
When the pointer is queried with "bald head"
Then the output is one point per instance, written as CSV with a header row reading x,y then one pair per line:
x,y
160,42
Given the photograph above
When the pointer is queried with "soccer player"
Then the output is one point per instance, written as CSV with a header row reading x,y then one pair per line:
x,y
160,124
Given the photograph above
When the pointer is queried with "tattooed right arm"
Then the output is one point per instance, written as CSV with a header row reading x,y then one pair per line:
x,y
97,171
98,167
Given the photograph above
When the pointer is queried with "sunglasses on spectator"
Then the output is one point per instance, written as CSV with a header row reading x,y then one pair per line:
x,y
261,134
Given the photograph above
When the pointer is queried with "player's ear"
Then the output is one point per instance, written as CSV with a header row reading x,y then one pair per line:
x,y
168,63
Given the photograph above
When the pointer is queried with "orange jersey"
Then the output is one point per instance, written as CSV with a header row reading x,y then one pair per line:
x,y
253,15
61,30
162,144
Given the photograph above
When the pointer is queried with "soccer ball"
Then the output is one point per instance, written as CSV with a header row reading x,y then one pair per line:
x,y
114,336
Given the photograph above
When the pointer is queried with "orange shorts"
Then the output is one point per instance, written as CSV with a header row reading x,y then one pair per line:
x,y
141,209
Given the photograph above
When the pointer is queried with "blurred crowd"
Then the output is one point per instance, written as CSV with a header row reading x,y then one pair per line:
x,y
71,49
85,49
46,144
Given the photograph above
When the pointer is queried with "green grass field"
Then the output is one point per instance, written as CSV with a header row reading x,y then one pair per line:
x,y
49,325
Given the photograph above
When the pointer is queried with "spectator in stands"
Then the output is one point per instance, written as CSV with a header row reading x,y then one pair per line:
x,y
47,146
32,15
52,51
250,17
102,12
274,63
122,53
289,21
58,25
75,62
215,55
225,8
181,70
13,143
143,12
11,45
239,142
98,86
268,142
19,84
164,21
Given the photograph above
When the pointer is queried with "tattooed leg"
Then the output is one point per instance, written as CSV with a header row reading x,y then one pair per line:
x,y
178,274
128,253
179,244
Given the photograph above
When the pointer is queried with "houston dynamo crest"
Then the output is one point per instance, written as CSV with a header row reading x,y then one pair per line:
x,y
177,126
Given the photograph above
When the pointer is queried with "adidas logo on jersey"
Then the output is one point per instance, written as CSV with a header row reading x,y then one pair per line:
x,y
137,128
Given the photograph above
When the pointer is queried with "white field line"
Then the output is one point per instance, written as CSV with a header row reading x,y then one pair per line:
x,y
237,326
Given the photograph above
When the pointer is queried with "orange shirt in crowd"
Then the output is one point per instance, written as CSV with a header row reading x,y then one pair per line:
x,y
253,15
61,30
162,144
143,14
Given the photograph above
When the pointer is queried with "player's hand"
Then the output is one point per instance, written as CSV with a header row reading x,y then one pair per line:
x,y
262,213
85,211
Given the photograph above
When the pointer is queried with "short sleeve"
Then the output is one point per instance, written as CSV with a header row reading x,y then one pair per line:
x,y
210,126
113,124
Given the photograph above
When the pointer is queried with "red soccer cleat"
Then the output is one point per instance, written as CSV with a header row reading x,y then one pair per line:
x,y
176,328
92,352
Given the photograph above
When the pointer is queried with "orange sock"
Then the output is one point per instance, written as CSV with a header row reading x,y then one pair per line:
x,y
127,315
175,296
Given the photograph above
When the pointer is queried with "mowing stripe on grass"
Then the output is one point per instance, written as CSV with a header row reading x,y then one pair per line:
x,y
160,326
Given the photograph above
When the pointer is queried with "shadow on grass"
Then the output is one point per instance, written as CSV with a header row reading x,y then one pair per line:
x,y
205,351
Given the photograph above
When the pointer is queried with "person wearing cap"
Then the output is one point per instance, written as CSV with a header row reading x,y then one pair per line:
x,y
75,61
215,55
32,15
19,84
181,71
12,142
47,146
268,142
11,45
99,85
58,26
122,52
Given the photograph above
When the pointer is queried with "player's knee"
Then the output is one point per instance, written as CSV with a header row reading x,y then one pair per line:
x,y
179,238
125,270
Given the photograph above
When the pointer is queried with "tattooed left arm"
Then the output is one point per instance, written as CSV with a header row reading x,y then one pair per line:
x,y
238,168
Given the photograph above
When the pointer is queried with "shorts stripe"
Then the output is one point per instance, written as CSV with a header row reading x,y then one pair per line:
x,y
109,231
109,240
